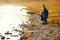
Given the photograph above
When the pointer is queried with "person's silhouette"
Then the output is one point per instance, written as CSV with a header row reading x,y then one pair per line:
x,y
44,15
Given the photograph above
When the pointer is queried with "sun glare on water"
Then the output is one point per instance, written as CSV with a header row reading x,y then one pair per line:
x,y
11,15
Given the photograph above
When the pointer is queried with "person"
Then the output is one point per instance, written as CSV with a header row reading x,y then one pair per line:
x,y
44,15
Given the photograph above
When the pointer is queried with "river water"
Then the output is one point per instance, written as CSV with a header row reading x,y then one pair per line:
x,y
11,16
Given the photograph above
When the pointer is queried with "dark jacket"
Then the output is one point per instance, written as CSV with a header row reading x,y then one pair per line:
x,y
44,14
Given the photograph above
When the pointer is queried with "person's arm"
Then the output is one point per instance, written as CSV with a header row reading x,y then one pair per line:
x,y
41,13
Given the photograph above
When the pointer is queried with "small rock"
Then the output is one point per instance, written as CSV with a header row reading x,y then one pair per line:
x,y
2,37
51,31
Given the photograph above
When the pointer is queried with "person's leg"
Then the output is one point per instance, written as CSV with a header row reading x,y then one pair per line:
x,y
42,19
45,21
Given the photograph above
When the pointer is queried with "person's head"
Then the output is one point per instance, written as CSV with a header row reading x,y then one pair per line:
x,y
43,5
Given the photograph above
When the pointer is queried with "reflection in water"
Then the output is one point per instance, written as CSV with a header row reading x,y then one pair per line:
x,y
11,16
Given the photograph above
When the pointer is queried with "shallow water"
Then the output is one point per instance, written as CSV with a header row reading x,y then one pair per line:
x,y
11,16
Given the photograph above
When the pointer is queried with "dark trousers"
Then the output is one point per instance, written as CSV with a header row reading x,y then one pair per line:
x,y
45,21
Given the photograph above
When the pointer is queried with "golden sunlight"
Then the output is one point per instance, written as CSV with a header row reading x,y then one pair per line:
x,y
11,15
